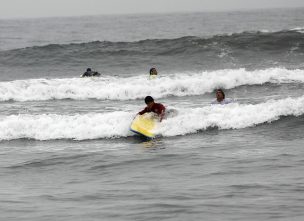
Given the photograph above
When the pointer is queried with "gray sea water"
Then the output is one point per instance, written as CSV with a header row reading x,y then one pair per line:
x,y
66,151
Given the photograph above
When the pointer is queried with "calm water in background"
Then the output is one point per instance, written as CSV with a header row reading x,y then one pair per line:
x,y
66,152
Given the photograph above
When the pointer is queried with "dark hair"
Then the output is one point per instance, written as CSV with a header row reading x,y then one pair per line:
x,y
220,90
151,70
89,69
149,99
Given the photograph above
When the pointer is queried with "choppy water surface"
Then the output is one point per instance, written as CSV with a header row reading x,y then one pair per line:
x,y
66,152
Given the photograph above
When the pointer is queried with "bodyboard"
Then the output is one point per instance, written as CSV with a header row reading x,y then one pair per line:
x,y
144,125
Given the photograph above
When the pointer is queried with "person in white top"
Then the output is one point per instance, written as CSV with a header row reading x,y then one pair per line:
x,y
153,73
220,98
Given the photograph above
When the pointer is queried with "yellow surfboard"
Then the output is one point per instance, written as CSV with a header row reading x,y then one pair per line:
x,y
144,125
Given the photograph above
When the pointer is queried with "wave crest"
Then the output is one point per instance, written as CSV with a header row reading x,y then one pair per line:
x,y
116,124
113,88
246,49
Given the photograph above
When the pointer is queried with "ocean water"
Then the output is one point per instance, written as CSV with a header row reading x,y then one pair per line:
x,y
66,151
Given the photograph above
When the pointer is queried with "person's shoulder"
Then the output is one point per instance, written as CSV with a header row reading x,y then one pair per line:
x,y
215,102
159,104
227,101
96,74
152,77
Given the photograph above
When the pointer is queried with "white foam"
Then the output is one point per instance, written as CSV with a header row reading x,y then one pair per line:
x,y
231,116
52,126
114,88
116,124
298,29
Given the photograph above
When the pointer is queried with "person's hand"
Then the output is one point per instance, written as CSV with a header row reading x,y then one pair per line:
x,y
162,115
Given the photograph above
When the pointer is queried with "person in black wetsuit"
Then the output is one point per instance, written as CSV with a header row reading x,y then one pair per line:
x,y
90,73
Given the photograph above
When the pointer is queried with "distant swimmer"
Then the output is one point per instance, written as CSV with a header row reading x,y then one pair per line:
x,y
90,73
153,73
220,98
157,108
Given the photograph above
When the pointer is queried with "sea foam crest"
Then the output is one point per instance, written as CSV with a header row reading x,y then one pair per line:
x,y
114,88
116,124
53,126
298,29
231,116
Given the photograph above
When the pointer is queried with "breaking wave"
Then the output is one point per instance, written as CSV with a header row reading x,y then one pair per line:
x,y
116,124
114,88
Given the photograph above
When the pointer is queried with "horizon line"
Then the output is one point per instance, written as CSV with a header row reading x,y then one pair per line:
x,y
150,13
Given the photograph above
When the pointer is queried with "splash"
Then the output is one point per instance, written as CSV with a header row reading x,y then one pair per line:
x,y
116,124
137,87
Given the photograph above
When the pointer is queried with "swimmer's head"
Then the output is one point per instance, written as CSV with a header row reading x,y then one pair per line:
x,y
220,95
153,71
149,101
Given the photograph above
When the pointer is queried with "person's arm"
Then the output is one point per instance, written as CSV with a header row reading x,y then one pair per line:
x,y
96,74
85,74
162,113
143,111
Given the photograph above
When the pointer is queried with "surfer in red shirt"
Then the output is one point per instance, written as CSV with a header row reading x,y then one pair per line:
x,y
157,108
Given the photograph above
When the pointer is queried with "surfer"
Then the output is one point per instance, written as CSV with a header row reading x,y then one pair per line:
x,y
90,73
153,73
157,108
220,98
